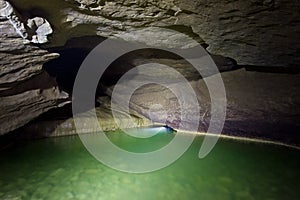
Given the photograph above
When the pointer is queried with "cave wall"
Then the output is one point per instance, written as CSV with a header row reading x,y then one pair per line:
x,y
26,91
264,33
255,32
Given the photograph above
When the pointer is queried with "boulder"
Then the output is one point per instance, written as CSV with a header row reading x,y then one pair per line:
x,y
42,29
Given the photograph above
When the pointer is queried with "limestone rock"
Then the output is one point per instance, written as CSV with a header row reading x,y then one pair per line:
x,y
39,25
6,10
63,127
25,90
42,29
158,37
264,33
259,105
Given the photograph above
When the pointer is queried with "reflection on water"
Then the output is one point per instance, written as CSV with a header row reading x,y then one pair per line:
x,y
61,168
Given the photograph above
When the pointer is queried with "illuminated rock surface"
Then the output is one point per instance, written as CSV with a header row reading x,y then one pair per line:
x,y
26,91
252,33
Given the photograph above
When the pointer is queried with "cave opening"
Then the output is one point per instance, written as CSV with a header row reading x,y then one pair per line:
x,y
72,54
64,68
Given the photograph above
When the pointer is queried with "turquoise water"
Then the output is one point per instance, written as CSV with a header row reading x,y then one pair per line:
x,y
61,168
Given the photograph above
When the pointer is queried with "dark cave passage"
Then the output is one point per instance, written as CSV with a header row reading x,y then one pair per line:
x,y
72,54
65,69
66,66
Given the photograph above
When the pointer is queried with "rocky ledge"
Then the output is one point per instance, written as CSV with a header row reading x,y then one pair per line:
x,y
260,105
26,91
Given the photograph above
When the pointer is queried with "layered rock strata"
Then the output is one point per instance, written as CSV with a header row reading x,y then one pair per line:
x,y
26,91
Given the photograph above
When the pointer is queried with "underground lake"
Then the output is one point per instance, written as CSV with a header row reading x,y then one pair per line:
x,y
166,69
61,168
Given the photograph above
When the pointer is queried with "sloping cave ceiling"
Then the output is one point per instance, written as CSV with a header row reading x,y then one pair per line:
x,y
255,43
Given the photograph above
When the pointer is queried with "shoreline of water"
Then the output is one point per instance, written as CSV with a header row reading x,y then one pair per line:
x,y
180,131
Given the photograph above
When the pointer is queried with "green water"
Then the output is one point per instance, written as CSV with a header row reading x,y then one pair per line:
x,y
61,168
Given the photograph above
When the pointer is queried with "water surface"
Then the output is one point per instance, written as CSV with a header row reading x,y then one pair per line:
x,y
61,168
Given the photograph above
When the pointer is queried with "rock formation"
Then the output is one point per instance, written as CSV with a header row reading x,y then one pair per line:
x,y
26,91
6,10
262,33
41,27
257,32
259,105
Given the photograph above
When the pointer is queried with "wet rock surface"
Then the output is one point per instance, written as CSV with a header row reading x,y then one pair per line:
x,y
263,105
55,127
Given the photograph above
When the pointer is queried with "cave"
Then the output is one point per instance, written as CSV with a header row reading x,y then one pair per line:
x,y
149,99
